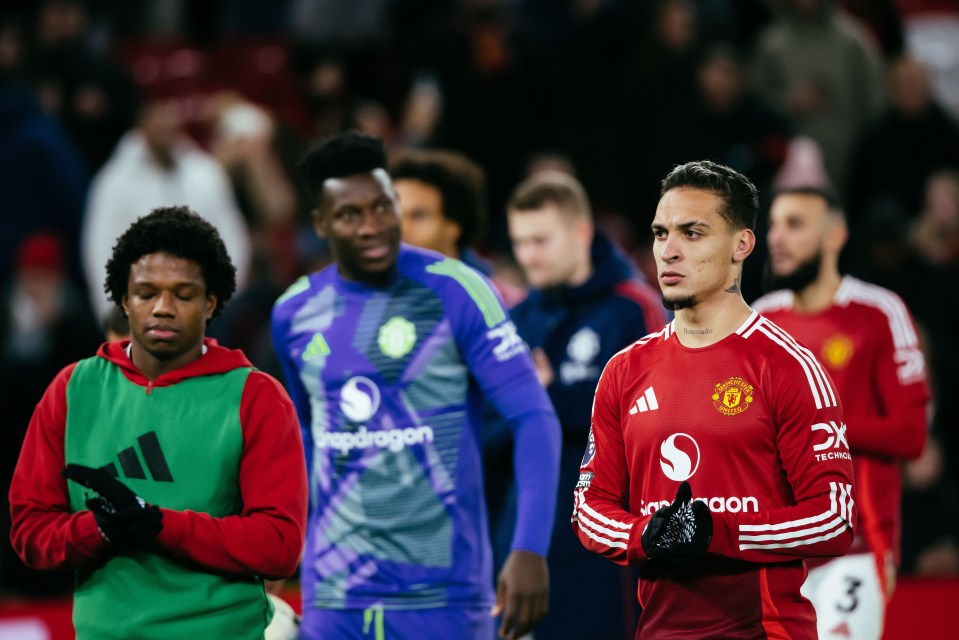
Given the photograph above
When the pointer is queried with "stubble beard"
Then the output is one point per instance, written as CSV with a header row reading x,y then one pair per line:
x,y
801,277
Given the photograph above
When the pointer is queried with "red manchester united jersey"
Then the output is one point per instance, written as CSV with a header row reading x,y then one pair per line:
x,y
754,424
867,341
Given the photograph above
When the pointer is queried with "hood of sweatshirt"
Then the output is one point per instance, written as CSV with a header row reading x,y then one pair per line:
x,y
214,361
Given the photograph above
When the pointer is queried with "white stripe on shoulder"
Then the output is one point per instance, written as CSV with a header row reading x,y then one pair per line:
x,y
774,301
663,333
891,305
822,391
749,321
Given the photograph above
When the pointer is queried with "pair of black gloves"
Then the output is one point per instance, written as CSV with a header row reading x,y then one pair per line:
x,y
678,534
124,518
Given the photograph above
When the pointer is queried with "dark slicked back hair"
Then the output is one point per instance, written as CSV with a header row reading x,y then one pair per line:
x,y
460,181
740,208
345,154
180,232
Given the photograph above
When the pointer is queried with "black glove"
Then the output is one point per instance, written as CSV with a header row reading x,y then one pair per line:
x,y
122,517
679,533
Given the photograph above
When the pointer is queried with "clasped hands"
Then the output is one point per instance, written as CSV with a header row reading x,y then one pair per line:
x,y
123,518
678,534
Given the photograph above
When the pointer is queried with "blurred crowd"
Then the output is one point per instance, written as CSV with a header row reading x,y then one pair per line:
x,y
109,109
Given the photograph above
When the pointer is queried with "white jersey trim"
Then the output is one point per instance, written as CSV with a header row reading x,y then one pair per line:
x,y
839,515
774,301
594,530
752,317
891,305
822,391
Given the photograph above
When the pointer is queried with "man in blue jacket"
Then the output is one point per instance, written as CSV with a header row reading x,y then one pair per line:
x,y
586,302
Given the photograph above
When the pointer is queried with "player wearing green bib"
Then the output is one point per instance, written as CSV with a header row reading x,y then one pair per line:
x,y
187,481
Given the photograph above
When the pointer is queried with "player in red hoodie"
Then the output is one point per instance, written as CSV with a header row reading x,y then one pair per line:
x,y
166,471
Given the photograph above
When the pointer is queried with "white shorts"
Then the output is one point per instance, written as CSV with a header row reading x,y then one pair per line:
x,y
847,593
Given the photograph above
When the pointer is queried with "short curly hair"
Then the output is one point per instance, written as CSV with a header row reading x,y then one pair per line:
x,y
345,154
460,181
179,232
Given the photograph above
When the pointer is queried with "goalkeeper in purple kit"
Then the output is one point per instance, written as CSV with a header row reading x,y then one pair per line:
x,y
389,355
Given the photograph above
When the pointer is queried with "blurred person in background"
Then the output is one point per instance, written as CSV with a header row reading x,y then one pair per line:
x,y
659,77
867,340
44,180
818,65
901,147
728,122
248,141
157,164
586,302
45,324
499,97
79,83
935,232
932,481
442,199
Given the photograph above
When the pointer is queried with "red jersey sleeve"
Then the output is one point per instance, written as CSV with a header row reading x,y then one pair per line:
x,y
44,532
266,538
816,468
898,371
600,518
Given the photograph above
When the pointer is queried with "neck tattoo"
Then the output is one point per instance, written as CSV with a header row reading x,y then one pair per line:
x,y
734,287
700,332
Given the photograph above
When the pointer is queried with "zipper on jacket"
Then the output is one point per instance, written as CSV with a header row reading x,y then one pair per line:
x,y
149,388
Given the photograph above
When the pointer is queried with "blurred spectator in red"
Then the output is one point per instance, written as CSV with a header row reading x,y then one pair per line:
x,y
819,65
43,181
157,165
44,325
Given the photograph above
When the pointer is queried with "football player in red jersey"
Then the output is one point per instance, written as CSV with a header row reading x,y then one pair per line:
x,y
728,413
866,339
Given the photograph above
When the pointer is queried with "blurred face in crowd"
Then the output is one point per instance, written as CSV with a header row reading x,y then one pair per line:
x,y
360,217
721,82
910,89
168,307
802,231
551,246
161,126
424,224
698,254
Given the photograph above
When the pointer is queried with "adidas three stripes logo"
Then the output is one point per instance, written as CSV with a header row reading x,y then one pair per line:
x,y
152,455
646,402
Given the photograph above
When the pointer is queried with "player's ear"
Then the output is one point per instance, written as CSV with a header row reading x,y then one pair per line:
x,y
745,243
318,220
837,236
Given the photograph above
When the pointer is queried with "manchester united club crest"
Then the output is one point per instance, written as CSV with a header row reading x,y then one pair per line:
x,y
837,351
733,396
